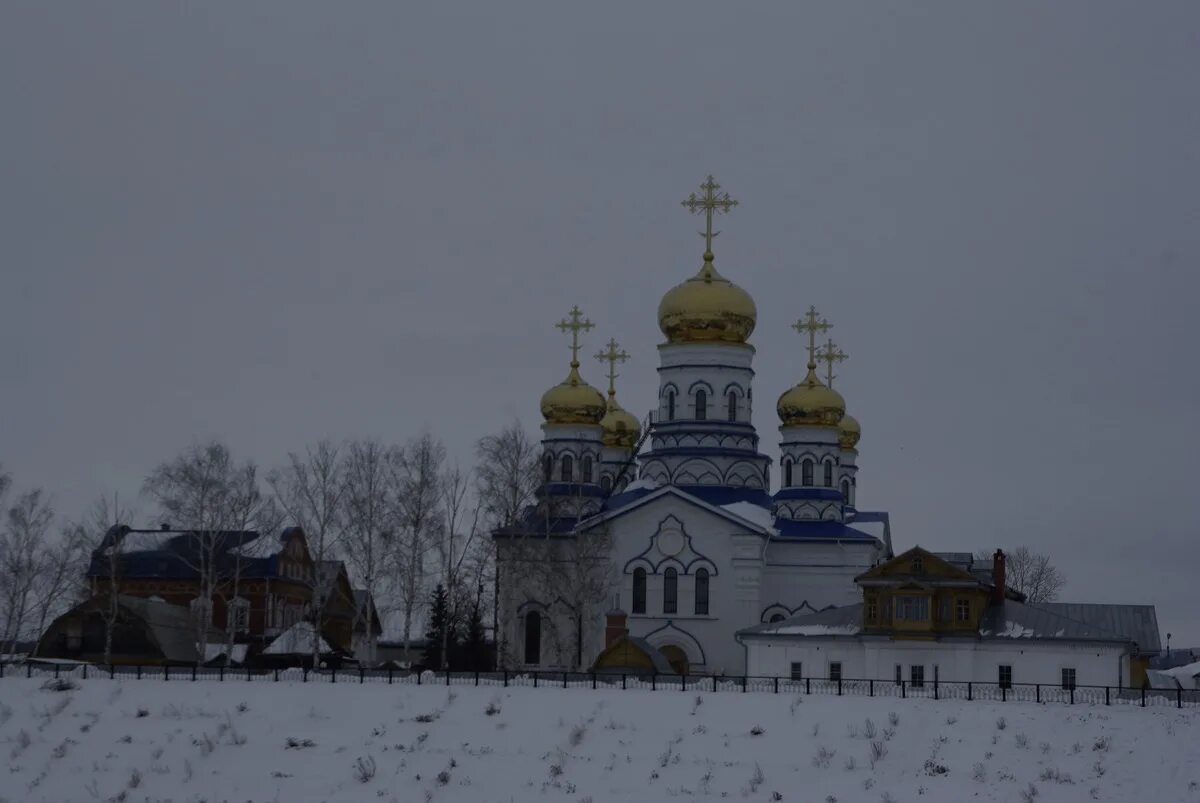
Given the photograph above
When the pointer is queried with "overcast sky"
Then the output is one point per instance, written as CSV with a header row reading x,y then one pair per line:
x,y
270,223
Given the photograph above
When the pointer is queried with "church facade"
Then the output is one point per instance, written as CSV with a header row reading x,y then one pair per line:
x,y
676,521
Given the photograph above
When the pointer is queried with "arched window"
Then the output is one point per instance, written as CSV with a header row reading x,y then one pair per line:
x,y
776,617
828,473
732,405
806,472
606,483
670,405
670,591
702,592
639,590
548,467
846,491
701,405
533,638
568,467
585,468
787,473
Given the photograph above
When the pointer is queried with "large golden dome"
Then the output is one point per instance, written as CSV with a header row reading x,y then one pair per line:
x,y
707,307
811,404
573,401
849,432
621,428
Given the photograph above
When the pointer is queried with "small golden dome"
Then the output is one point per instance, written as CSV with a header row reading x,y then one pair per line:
x,y
573,401
849,431
621,428
811,404
707,307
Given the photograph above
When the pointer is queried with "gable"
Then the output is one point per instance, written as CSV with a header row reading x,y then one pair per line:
x,y
917,565
670,499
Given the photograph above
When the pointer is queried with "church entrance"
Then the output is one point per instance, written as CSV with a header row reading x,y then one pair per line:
x,y
676,657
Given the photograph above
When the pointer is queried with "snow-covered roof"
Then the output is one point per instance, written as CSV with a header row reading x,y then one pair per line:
x,y
212,651
296,640
844,621
753,513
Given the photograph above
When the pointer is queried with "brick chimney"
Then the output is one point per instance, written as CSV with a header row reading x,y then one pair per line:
x,y
998,577
614,627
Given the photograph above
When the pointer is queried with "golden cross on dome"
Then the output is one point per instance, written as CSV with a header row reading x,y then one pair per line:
x,y
829,354
711,202
575,325
612,356
812,322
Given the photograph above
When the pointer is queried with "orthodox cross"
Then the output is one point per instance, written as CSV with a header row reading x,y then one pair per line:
x,y
575,325
829,354
812,323
711,202
612,356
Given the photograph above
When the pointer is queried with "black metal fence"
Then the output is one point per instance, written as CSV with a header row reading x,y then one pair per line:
x,y
935,690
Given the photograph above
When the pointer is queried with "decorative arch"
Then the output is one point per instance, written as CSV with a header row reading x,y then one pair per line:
x,y
700,384
778,608
787,472
828,473
684,561
735,387
669,634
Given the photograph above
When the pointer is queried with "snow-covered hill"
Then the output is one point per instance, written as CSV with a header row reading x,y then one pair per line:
x,y
290,742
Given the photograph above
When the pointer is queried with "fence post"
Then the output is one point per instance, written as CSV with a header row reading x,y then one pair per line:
x,y
389,676
85,666
935,689
505,671
166,672
304,675
333,674
970,692
193,673
622,680
1003,693
56,671
871,687
839,685
777,684
903,689
276,675
419,673
745,678
248,677
1179,697
808,685
1038,686
1143,696
564,680
1072,694
683,685
1106,702
535,678
112,672
220,672
653,681
139,671
593,680
28,670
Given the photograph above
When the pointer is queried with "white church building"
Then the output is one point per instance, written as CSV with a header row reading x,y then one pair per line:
x,y
697,543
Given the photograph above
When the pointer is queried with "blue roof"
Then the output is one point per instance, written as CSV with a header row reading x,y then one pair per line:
x,y
821,531
176,554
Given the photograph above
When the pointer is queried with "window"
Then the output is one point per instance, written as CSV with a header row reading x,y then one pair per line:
x,y
239,615
585,468
776,617
701,405
787,473
548,467
639,590
962,610
1005,676
912,609
918,565
846,491
606,483
670,591
899,674
828,473
567,468
702,592
201,609
670,405
806,472
533,638
1068,677
872,609
797,670
835,670
732,405
916,673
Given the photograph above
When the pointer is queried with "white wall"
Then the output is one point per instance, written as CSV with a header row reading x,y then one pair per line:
x,y
976,661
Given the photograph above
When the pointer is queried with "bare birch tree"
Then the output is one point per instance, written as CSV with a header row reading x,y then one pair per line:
x,y
370,522
106,526
23,555
1030,573
417,472
205,493
507,475
311,489
460,539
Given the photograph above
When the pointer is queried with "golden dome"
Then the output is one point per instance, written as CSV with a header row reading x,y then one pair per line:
x,y
707,307
621,428
849,431
811,404
573,401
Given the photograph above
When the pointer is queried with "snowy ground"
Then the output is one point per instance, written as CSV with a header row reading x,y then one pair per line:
x,y
290,742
